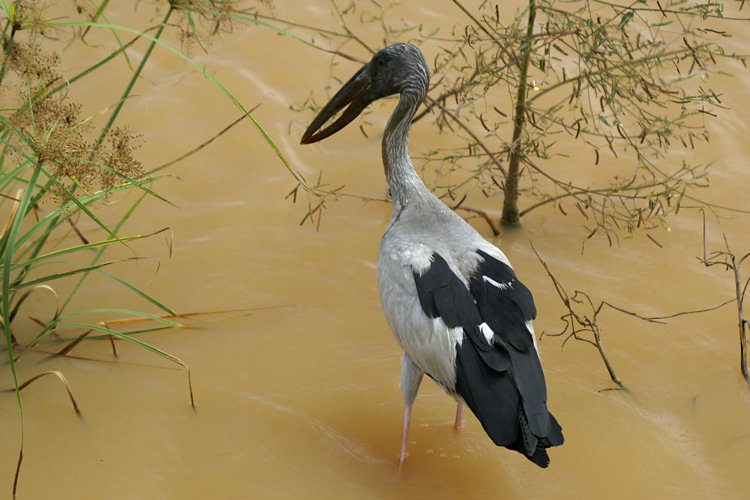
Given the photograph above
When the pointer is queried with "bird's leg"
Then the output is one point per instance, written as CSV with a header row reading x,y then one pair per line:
x,y
404,437
459,413
411,377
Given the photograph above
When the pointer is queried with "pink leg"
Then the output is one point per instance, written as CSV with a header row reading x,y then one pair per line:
x,y
404,438
459,412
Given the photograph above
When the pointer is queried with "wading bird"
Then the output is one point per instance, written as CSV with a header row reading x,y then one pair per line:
x,y
450,297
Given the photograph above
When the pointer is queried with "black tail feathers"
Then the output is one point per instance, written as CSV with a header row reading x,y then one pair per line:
x,y
494,398
534,447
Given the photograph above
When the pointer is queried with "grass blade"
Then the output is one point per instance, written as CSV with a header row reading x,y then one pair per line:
x,y
141,293
87,246
146,346
62,379
83,269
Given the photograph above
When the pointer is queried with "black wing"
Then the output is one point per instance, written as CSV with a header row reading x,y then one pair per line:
x,y
502,381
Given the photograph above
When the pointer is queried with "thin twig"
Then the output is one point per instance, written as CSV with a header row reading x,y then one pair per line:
x,y
502,46
482,213
660,319
579,324
476,139
729,261
204,143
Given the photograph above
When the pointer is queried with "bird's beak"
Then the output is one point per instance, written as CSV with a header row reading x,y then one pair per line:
x,y
355,94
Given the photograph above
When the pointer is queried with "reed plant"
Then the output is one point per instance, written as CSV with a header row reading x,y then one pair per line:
x,y
57,167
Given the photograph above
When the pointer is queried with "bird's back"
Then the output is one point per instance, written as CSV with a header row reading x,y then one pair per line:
x,y
415,234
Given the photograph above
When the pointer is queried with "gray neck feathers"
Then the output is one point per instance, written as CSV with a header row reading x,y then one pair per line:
x,y
404,183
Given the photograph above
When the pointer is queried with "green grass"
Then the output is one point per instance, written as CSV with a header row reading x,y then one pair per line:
x,y
56,168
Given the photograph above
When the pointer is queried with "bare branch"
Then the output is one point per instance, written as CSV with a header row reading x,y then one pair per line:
x,y
728,260
589,323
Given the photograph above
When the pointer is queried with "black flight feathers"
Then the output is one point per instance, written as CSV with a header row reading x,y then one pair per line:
x,y
443,295
502,382
504,302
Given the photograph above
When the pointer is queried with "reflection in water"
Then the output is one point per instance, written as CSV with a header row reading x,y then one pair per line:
x,y
302,399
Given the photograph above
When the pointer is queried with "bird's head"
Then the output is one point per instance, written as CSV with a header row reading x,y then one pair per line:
x,y
397,69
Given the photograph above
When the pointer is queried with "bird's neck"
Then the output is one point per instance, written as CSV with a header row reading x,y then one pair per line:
x,y
403,181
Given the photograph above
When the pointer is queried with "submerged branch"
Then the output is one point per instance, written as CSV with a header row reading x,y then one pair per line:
x,y
484,215
578,323
730,262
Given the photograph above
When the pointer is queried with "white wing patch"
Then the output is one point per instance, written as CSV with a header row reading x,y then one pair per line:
x,y
487,332
502,286
530,327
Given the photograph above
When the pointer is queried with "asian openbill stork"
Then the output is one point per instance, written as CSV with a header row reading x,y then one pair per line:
x,y
450,297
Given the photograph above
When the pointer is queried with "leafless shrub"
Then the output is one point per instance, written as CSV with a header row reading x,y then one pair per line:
x,y
581,321
730,262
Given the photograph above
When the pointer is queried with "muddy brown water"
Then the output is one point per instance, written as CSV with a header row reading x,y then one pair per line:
x,y
299,398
